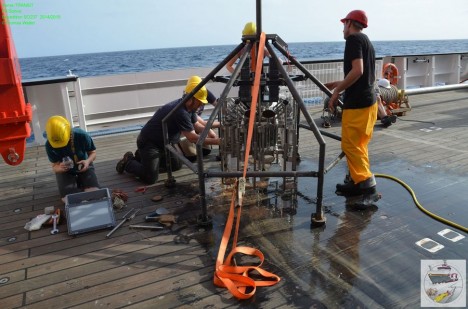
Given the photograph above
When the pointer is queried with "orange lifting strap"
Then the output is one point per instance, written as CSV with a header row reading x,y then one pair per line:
x,y
15,114
227,274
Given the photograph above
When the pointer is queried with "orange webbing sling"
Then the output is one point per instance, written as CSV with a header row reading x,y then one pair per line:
x,y
236,278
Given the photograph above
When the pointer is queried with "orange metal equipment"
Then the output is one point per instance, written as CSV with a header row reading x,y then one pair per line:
x,y
15,114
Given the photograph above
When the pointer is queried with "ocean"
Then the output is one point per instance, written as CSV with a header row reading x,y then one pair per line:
x,y
110,63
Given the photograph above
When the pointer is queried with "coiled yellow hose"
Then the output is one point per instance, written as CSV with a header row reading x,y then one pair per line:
x,y
413,195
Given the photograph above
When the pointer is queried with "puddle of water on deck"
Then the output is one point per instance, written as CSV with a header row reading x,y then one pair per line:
x,y
335,264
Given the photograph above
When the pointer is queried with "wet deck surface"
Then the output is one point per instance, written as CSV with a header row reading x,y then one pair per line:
x,y
360,259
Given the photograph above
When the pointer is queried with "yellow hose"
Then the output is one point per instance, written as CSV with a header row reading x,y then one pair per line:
x,y
430,214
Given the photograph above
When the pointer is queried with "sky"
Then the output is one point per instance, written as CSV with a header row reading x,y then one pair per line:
x,y
63,27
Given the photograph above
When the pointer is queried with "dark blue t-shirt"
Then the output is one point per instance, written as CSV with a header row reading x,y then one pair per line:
x,y
361,94
181,120
83,143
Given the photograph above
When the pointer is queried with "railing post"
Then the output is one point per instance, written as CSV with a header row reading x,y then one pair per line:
x,y
79,104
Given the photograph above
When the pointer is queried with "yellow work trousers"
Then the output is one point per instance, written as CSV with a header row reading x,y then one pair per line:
x,y
356,133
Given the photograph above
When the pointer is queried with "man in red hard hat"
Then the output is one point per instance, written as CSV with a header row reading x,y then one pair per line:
x,y
359,109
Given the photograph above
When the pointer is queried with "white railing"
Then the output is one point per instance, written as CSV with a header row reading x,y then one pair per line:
x,y
96,103
324,72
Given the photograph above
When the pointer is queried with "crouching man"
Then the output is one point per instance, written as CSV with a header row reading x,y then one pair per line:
x,y
72,152
150,141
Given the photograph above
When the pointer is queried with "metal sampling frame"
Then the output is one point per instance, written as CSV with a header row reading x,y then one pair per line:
x,y
276,132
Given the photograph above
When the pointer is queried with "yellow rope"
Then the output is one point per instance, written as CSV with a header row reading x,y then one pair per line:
x,y
413,195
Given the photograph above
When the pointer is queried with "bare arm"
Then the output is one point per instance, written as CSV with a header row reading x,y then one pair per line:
x,y
193,137
200,126
87,162
200,120
59,167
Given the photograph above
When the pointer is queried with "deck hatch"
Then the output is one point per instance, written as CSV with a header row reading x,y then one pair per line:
x,y
451,235
429,245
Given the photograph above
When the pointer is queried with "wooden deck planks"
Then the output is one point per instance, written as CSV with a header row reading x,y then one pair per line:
x,y
145,269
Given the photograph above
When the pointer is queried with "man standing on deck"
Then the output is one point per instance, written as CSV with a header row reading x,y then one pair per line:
x,y
150,141
360,107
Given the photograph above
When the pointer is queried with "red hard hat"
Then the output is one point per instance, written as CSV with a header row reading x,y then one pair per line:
x,y
357,15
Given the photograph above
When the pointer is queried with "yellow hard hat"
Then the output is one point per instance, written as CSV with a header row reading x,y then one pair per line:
x,y
250,28
201,94
193,79
58,131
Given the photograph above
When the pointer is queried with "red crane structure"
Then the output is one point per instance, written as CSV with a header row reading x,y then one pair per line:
x,y
15,113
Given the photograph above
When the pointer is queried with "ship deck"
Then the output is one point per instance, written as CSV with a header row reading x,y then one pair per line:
x,y
360,259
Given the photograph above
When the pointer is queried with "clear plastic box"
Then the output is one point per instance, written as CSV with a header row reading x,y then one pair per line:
x,y
89,211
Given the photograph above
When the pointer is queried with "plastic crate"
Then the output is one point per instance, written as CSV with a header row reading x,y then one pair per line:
x,y
89,211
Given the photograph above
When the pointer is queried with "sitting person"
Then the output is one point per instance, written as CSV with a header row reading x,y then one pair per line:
x,y
150,141
72,152
386,117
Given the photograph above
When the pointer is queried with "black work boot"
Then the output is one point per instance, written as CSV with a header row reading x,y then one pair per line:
x,y
368,198
348,189
369,193
120,167
388,120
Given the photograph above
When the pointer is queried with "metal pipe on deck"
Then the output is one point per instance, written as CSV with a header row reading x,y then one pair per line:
x,y
435,89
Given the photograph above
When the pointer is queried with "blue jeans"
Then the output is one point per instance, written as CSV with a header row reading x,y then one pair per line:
x,y
70,183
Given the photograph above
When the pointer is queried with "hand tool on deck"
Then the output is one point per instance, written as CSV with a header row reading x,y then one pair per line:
x,y
143,189
147,227
54,229
334,162
166,220
125,218
155,214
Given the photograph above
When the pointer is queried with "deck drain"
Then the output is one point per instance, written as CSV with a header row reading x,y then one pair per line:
x,y
430,129
451,235
11,239
4,280
429,245
17,210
